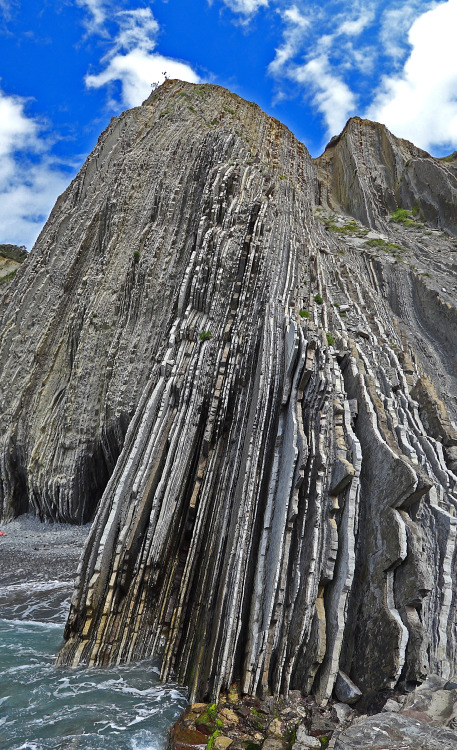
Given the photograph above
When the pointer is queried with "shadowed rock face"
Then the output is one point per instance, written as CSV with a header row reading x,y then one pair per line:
x,y
262,389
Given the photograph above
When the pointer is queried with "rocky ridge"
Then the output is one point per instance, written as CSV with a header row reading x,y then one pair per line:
x,y
243,361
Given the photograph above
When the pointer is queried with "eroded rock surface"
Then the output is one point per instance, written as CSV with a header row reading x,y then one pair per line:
x,y
260,389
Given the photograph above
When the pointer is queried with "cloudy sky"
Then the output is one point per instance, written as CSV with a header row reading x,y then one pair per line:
x,y
68,66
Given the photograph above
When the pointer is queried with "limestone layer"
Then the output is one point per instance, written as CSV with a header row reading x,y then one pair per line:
x,y
259,388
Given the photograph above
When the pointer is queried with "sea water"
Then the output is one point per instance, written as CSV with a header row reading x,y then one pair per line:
x,y
44,707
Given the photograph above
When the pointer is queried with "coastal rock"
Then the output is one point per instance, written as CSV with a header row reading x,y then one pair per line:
x,y
345,690
392,731
272,494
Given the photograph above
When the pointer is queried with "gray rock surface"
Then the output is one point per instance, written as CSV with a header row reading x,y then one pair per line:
x,y
393,731
273,493
345,690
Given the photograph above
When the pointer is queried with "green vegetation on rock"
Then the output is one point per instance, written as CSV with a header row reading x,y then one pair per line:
x,y
403,216
389,247
13,252
9,277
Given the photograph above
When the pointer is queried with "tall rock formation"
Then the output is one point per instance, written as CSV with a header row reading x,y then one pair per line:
x,y
253,382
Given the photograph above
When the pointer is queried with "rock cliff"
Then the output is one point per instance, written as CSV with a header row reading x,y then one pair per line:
x,y
243,361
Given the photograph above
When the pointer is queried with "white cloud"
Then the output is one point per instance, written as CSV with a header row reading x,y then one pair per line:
x,y
28,186
97,10
137,71
331,95
395,24
354,27
133,62
296,26
246,7
326,57
137,29
421,103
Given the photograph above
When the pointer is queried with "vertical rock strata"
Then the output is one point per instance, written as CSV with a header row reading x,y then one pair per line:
x,y
257,391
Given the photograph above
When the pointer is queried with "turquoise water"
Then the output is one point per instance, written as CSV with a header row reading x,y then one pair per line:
x,y
47,708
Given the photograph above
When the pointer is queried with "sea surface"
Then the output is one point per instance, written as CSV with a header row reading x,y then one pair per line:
x,y
47,708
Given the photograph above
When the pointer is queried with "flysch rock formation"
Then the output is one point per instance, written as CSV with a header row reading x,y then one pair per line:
x,y
243,362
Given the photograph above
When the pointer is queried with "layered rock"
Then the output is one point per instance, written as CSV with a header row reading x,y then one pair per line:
x,y
367,172
262,389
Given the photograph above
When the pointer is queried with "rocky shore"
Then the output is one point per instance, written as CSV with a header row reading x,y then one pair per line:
x,y
424,719
35,552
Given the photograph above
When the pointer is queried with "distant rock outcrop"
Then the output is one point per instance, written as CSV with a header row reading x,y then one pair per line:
x,y
11,256
244,362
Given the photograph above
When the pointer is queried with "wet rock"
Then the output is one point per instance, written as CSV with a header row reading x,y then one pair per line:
x,y
186,739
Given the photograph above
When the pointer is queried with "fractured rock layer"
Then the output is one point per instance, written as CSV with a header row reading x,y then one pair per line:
x,y
262,389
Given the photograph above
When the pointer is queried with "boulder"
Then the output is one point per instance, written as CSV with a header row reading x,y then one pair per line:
x,y
345,690
393,731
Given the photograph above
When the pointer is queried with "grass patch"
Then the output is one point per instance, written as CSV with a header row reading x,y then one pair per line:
x,y
403,216
304,314
351,227
9,277
389,247
136,256
319,299
330,339
206,336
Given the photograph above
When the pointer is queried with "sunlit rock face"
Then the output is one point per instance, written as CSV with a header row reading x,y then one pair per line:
x,y
243,361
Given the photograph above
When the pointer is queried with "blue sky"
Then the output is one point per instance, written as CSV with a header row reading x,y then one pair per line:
x,y
68,66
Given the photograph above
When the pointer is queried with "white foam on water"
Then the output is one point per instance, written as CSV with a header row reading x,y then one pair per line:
x,y
145,741
36,586
24,624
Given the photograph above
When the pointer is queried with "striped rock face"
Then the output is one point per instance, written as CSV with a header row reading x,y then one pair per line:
x,y
242,363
